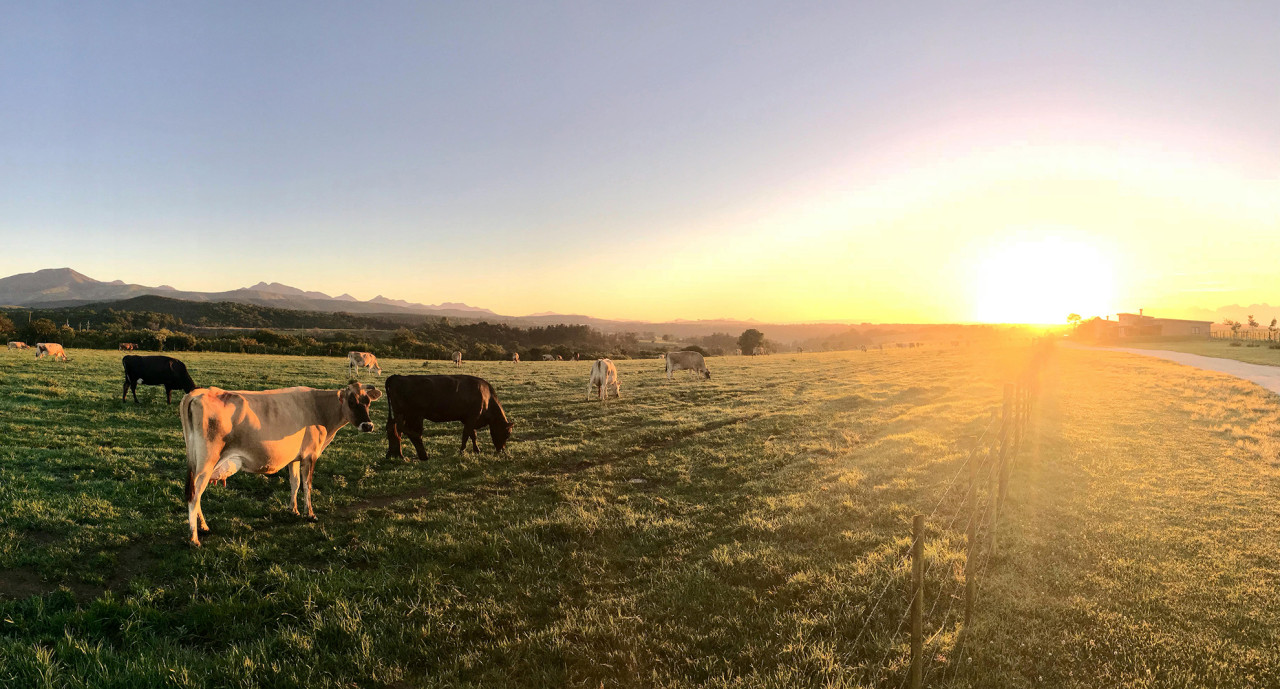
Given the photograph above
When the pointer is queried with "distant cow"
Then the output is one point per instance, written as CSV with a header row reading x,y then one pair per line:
x,y
155,370
440,399
515,358
603,375
52,349
457,358
559,358
548,357
757,351
19,345
262,433
128,346
359,360
687,361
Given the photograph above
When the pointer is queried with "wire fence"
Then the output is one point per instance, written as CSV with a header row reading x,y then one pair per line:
x,y
983,477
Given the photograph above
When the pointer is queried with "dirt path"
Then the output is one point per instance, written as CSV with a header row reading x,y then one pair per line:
x,y
1262,374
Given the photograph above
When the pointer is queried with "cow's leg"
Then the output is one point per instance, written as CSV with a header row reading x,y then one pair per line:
x,y
591,390
195,513
168,395
295,479
474,446
393,439
308,471
414,430
124,395
466,433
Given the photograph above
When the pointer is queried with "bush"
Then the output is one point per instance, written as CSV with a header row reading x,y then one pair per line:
x,y
695,348
1235,343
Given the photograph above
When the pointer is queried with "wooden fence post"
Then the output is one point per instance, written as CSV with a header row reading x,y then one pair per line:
x,y
971,501
917,600
1002,464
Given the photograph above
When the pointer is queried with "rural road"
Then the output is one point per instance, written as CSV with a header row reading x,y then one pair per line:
x,y
1262,374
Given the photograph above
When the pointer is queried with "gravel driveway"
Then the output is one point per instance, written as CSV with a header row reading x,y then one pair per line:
x,y
1262,374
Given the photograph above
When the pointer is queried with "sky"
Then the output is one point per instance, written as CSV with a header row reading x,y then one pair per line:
x,y
788,161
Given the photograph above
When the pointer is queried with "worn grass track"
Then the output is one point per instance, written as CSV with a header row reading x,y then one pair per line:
x,y
772,515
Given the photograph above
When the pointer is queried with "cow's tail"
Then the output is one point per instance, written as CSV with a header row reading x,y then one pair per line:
x,y
191,412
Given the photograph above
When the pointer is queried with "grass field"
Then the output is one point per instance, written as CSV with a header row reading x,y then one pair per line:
x,y
736,532
1261,354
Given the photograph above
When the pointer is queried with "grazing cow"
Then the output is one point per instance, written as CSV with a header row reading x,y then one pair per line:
x,y
548,357
757,351
155,370
358,360
603,375
515,358
52,349
19,345
559,358
128,346
457,358
262,433
469,399
690,361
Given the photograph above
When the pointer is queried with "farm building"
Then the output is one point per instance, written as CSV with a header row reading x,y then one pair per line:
x,y
1140,325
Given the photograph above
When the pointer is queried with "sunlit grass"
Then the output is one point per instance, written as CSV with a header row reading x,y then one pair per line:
x,y
731,532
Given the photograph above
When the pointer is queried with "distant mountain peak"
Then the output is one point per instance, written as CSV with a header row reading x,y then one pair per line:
x,y
278,288
345,297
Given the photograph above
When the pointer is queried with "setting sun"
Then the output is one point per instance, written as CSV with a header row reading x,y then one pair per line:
x,y
1042,281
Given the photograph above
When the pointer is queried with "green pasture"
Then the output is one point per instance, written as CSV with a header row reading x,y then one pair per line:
x,y
746,531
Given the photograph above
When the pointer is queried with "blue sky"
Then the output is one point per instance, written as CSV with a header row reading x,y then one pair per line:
x,y
616,159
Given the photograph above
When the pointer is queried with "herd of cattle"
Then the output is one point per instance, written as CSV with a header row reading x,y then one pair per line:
x,y
227,431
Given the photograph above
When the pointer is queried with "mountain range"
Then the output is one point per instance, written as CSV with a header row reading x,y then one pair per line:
x,y
60,287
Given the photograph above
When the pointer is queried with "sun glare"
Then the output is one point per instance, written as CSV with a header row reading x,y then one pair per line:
x,y
1042,281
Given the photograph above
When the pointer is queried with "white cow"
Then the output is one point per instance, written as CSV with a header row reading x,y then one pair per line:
x,y
52,349
19,345
548,357
686,361
457,358
603,375
358,360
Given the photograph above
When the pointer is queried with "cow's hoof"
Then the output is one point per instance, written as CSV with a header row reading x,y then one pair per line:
x,y
312,518
194,543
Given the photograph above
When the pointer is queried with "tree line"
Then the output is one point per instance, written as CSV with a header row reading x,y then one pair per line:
x,y
231,327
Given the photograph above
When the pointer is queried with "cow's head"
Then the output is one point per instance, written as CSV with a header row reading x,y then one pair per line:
x,y
706,374
501,432
356,399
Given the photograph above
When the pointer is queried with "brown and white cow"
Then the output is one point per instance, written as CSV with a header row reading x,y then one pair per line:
x,y
52,349
359,360
515,358
686,361
603,375
128,346
457,358
19,345
262,433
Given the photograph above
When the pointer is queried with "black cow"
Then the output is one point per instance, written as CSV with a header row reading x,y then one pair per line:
x,y
155,370
471,400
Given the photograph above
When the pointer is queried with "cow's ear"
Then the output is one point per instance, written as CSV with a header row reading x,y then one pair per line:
x,y
374,393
